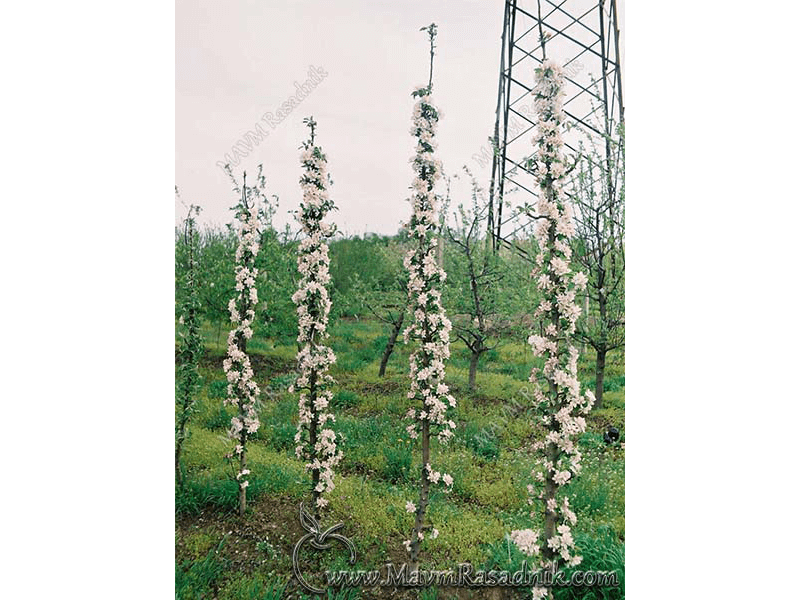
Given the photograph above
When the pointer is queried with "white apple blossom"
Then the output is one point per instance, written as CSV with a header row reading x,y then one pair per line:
x,y
315,443
526,540
539,593
557,390
243,391
431,327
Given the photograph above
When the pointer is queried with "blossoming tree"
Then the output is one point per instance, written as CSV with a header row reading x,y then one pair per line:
x,y
431,327
556,391
316,443
191,345
243,391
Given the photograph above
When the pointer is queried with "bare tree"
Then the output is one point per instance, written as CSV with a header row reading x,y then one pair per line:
x,y
392,311
599,246
480,273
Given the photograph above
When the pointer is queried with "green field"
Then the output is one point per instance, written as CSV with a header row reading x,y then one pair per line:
x,y
221,555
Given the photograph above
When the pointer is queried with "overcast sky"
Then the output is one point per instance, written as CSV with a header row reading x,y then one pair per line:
x,y
238,60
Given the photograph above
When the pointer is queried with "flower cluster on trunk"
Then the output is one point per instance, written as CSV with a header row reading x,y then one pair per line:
x,y
431,327
557,390
243,391
316,444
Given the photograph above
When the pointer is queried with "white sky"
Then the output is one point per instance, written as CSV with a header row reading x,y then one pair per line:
x,y
239,59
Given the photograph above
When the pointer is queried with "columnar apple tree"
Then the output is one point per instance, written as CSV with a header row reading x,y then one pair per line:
x,y
431,327
556,391
316,443
191,345
243,391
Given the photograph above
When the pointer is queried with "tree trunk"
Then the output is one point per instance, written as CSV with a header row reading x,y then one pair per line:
x,y
599,374
473,368
179,443
588,323
312,440
550,491
601,349
398,325
423,494
178,472
242,490
242,343
553,451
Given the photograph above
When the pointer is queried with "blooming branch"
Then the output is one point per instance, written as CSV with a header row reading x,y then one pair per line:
x,y
315,443
243,391
557,390
431,327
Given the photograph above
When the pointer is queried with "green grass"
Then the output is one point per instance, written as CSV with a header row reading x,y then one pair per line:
x,y
601,551
489,460
195,580
252,587
397,463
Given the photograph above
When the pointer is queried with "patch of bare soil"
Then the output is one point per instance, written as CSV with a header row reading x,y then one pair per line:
x,y
275,521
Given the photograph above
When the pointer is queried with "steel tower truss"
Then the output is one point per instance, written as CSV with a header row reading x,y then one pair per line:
x,y
584,37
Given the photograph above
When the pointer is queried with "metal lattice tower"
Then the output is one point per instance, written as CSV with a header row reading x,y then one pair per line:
x,y
583,36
